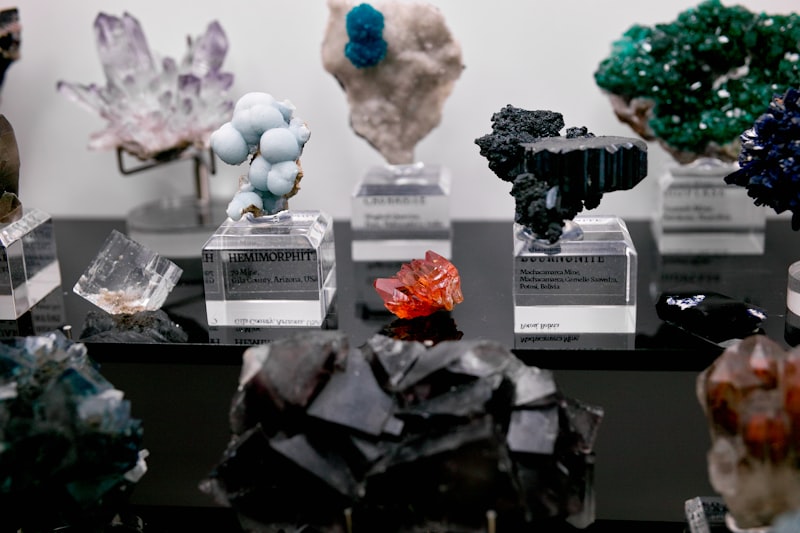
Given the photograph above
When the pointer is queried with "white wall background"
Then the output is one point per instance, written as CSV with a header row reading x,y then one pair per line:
x,y
531,54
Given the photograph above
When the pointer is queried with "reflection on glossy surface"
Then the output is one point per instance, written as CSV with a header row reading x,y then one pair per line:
x,y
47,315
429,330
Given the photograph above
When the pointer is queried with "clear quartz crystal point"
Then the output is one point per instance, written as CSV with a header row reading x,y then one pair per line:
x,y
127,278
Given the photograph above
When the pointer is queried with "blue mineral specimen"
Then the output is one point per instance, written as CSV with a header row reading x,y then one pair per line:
x,y
69,449
367,47
770,157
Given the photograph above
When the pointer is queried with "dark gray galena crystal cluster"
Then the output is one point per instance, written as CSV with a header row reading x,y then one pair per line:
x,y
554,178
398,437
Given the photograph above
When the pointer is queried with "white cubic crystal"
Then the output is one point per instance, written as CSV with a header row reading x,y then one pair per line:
x,y
127,278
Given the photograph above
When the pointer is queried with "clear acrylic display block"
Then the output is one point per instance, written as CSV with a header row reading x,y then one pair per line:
x,y
701,214
126,277
792,328
401,211
577,293
272,271
29,268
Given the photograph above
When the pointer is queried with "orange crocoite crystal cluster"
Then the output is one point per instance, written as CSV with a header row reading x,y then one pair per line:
x,y
751,396
421,287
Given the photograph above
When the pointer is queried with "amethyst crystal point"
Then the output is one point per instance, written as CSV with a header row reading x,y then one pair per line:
x,y
555,178
155,109
409,438
770,157
66,437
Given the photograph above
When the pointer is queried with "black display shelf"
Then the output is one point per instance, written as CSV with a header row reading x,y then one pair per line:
x,y
652,443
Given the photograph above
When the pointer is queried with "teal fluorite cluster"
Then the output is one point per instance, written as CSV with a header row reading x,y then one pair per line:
x,y
696,83
69,449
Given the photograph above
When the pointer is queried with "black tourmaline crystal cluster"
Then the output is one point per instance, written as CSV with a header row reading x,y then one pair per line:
x,y
398,437
554,178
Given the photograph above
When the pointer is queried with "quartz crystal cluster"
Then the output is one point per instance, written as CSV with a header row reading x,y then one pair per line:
x,y
155,108
751,396
770,158
398,437
265,130
69,450
397,64
554,178
696,83
421,287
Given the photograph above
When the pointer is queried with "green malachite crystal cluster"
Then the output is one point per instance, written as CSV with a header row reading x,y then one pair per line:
x,y
696,83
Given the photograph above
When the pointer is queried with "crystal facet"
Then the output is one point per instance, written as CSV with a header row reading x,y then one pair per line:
x,y
155,108
127,278
421,287
407,438
751,397
398,100
67,438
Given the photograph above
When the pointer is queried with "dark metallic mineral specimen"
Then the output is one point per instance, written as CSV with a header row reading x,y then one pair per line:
x,y
400,438
710,315
554,178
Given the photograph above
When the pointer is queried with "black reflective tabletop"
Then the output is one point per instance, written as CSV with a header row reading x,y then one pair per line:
x,y
652,443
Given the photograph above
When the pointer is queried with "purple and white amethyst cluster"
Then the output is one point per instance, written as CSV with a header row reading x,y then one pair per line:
x,y
156,108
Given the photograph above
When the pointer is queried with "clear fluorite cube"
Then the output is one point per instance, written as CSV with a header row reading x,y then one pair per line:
x,y
127,278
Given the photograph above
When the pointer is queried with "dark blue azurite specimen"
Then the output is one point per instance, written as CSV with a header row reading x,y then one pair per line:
x,y
770,157
365,29
554,178
69,448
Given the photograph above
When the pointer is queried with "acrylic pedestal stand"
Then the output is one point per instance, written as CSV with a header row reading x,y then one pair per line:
x,y
792,330
399,212
272,271
177,227
699,214
578,292
29,268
